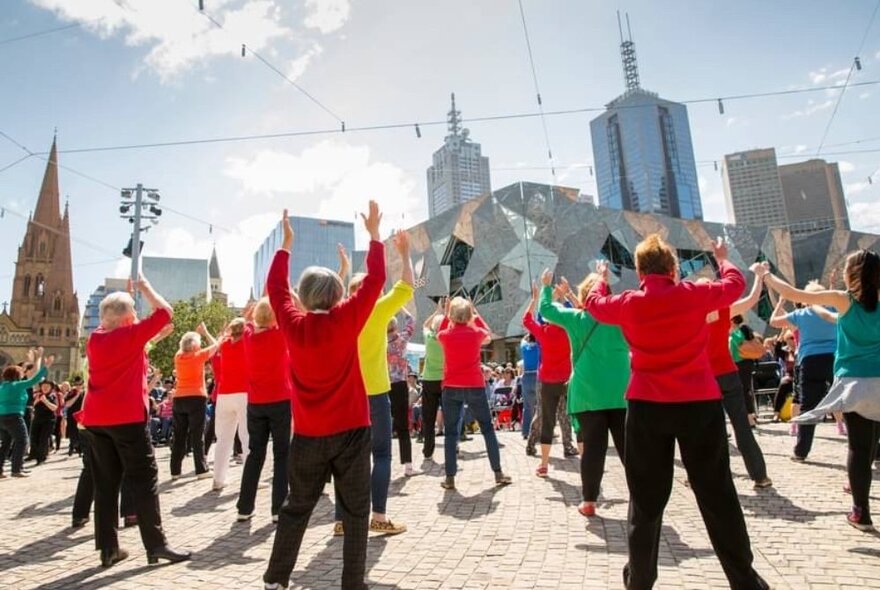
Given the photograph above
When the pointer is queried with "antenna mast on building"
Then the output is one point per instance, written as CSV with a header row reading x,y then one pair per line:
x,y
453,118
628,55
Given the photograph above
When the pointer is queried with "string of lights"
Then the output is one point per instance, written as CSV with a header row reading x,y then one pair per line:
x,y
443,122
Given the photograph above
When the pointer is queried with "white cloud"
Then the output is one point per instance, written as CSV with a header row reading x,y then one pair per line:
x,y
864,95
845,166
331,179
865,217
854,188
812,108
299,65
178,37
327,15
800,148
823,76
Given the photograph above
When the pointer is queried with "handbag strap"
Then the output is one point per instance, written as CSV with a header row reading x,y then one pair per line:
x,y
577,356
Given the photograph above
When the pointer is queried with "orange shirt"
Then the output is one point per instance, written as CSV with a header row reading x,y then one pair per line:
x,y
190,368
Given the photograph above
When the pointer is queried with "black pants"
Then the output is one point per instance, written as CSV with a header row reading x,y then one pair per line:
x,y
56,431
652,430
786,389
549,398
816,374
189,426
312,459
85,490
13,440
432,392
73,444
734,404
863,436
399,396
114,450
746,369
264,420
594,427
41,436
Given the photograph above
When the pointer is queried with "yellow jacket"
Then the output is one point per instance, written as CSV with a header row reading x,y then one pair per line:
x,y
373,339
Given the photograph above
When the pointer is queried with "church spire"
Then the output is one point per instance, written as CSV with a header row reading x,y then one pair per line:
x,y
48,211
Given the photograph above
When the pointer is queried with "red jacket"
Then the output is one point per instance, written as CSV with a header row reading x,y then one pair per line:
x,y
555,364
325,368
117,392
462,365
665,326
719,345
231,364
268,366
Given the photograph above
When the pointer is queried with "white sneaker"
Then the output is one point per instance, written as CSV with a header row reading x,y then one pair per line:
x,y
217,487
274,519
205,475
244,517
408,470
175,477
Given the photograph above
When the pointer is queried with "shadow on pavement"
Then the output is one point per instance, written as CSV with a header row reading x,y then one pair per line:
x,y
767,503
462,507
44,550
230,547
80,580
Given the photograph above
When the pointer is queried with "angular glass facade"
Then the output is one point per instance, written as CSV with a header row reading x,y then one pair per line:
x,y
314,245
644,157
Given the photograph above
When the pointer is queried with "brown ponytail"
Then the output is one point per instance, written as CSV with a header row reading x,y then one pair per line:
x,y
863,277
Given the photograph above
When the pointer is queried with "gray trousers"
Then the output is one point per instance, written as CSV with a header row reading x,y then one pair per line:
x,y
561,417
733,399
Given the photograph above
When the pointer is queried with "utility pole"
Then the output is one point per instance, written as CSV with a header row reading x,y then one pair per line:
x,y
140,198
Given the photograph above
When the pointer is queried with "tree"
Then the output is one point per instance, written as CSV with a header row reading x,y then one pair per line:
x,y
188,315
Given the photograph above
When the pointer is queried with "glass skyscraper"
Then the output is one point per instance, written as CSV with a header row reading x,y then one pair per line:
x,y
642,149
644,156
314,244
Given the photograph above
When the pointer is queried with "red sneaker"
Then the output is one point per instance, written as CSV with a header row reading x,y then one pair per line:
x,y
587,509
541,471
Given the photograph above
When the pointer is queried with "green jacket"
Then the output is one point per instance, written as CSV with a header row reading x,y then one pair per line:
x,y
13,394
600,365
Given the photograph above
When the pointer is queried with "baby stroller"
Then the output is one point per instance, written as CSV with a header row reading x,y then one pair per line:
x,y
501,403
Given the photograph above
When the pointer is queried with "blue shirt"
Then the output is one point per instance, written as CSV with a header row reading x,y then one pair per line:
x,y
816,336
531,356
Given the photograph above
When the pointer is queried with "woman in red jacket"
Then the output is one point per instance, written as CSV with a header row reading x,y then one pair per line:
x,y
230,410
115,418
462,334
331,429
673,397
268,410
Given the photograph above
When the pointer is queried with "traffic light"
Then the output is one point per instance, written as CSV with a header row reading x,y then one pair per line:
x,y
127,251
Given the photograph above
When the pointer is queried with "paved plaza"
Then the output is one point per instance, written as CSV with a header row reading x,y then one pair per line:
x,y
527,535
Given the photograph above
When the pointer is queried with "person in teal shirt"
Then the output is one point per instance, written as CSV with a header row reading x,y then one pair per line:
x,y
13,400
600,376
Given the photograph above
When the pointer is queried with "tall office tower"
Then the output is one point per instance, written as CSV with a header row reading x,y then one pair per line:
x,y
814,199
460,172
752,188
642,149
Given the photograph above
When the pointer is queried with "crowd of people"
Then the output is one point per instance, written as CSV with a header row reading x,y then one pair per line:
x,y
321,369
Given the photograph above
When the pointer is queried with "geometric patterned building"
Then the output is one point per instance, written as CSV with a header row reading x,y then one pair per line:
x,y
45,309
493,247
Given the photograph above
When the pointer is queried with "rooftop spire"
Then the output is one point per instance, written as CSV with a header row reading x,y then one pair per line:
x,y
214,267
453,118
628,55
48,204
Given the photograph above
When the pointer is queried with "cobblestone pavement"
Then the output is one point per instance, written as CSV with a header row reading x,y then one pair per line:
x,y
527,535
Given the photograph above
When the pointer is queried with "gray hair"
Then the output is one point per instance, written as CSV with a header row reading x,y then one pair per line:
x,y
115,306
190,341
320,288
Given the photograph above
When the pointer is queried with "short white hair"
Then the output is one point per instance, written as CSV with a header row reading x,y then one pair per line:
x,y
190,341
114,306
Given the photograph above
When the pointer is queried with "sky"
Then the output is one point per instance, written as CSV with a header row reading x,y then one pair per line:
x,y
154,71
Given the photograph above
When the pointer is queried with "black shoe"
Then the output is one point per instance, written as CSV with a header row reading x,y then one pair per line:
x,y
130,521
531,452
112,556
79,523
570,452
167,553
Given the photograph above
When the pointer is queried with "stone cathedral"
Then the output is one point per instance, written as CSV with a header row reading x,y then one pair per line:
x,y
44,310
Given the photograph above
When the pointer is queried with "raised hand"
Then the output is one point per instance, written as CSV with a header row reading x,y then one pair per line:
x,y
564,287
202,329
547,277
49,361
534,291
287,229
401,242
602,269
759,269
372,220
719,249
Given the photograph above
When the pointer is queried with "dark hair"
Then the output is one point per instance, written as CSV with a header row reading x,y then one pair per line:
x,y
747,332
863,277
737,319
530,337
12,373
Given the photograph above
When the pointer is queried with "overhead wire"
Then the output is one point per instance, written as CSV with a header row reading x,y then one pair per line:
x,y
408,125
44,32
849,74
272,67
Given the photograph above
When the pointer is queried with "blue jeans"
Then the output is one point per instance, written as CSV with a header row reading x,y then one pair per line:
x,y
380,477
529,383
454,399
